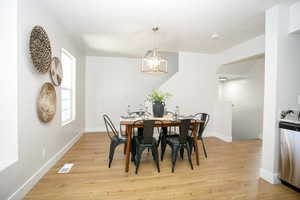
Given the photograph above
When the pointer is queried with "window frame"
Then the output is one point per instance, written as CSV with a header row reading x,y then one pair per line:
x,y
72,90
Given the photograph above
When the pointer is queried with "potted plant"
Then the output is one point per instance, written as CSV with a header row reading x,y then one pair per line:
x,y
158,100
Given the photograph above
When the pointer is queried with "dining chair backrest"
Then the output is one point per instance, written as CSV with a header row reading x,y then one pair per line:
x,y
184,128
148,129
205,118
110,127
171,128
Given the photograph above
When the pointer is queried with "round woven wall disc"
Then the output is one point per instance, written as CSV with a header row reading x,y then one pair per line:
x,y
46,103
56,72
40,49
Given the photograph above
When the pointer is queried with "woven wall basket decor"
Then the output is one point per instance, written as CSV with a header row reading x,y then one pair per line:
x,y
46,103
40,49
56,72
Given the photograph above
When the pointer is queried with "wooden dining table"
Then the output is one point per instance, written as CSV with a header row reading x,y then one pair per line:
x,y
166,122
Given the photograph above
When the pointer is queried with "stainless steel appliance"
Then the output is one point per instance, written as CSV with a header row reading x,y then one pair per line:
x,y
290,147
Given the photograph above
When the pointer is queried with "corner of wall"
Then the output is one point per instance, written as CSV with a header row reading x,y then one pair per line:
x,y
218,135
272,178
26,187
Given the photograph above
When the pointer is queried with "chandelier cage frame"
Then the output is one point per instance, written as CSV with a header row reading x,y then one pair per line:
x,y
153,62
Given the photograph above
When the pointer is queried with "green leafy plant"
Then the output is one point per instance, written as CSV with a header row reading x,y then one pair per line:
x,y
157,96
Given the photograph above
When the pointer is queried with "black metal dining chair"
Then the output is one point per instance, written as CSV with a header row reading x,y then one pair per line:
x,y
146,140
205,118
179,143
171,130
139,114
116,138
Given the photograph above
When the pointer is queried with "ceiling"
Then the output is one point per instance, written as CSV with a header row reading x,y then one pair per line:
x,y
123,27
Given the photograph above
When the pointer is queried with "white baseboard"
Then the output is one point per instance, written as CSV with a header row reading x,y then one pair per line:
x,y
28,185
218,135
94,130
260,136
272,178
226,139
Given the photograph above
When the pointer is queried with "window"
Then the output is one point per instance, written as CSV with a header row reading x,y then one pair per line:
x,y
68,87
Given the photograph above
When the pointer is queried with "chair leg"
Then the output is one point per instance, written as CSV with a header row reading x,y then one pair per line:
x,y
133,150
159,139
181,153
125,147
189,153
138,156
163,148
162,133
112,148
204,149
191,143
155,153
137,160
174,157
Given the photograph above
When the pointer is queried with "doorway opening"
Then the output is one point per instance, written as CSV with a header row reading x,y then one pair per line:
x,y
242,84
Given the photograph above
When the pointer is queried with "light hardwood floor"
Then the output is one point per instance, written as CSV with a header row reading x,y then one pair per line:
x,y
230,173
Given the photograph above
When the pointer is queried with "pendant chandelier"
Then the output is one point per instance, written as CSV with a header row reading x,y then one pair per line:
x,y
152,62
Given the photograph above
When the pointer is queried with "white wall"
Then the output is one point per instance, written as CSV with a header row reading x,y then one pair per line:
x,y
222,121
234,63
294,19
34,136
114,83
245,50
8,84
240,68
282,85
270,156
246,95
194,87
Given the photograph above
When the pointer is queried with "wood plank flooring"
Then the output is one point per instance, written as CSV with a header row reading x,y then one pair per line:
x,y
230,173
